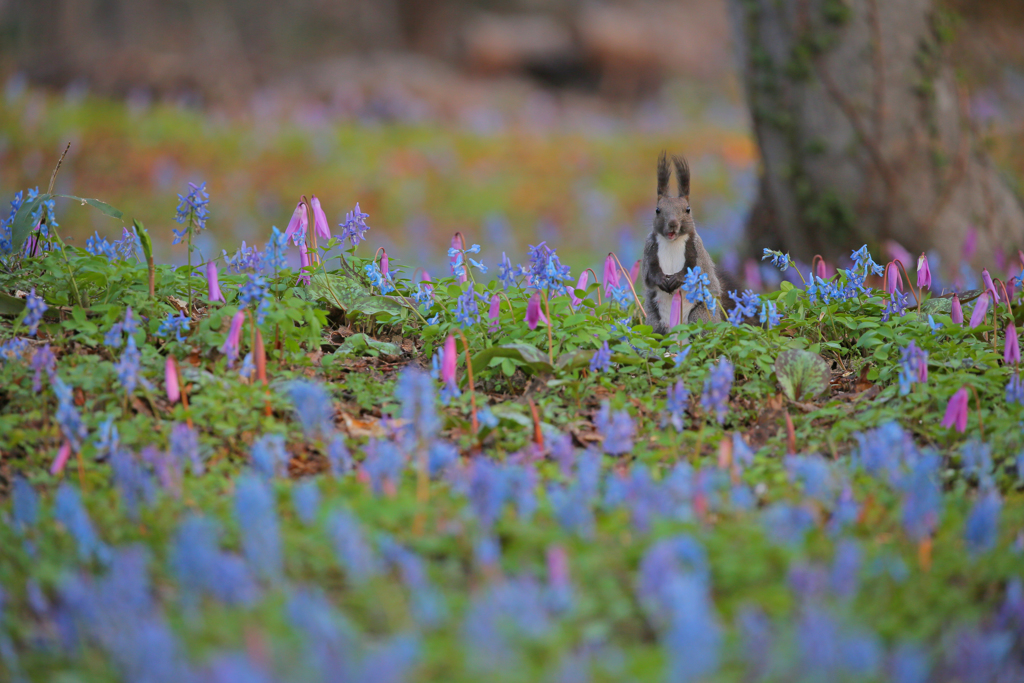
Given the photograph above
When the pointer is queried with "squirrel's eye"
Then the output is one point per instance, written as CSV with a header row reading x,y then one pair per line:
x,y
687,209
657,209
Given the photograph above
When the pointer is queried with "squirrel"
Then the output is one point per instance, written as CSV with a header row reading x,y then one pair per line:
x,y
672,248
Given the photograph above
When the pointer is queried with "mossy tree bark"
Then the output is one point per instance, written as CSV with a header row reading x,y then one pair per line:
x,y
865,133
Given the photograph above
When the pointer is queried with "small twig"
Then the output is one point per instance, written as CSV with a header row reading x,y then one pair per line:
x,y
547,312
790,434
538,434
981,422
629,281
53,176
472,389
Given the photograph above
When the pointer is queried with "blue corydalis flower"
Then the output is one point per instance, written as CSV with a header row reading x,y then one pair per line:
x,y
70,421
25,503
602,359
313,408
716,389
696,288
746,306
467,309
617,429
546,270
306,500
676,405
862,260
128,367
354,553
201,568
184,447
69,511
192,211
769,315
506,272
338,456
415,392
176,325
982,527
377,278
354,228
273,257
34,309
269,457
256,514
778,259
43,360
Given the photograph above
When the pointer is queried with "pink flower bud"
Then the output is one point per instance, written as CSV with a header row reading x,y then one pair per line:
x,y
990,286
230,348
676,312
298,224
980,309
213,282
956,411
956,311
449,357
819,269
893,278
580,284
611,275
634,272
534,315
320,224
924,273
62,458
171,380
1011,350
495,312
384,263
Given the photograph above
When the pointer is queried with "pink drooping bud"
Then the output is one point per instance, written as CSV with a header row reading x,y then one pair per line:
x,y
230,348
634,272
956,411
558,566
385,265
456,256
171,380
62,458
676,312
449,357
980,309
924,273
1011,350
820,271
611,275
494,314
298,224
970,243
893,278
956,312
990,286
320,224
580,284
752,274
534,315
213,282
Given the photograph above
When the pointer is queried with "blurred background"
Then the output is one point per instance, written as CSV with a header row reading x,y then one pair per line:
x,y
513,121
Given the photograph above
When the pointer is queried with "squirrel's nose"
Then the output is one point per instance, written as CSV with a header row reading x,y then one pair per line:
x,y
673,225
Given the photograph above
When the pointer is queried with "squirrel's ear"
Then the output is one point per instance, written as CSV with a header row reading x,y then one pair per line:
x,y
682,175
663,174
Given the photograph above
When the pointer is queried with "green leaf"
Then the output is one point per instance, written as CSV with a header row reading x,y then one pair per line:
x,y
96,204
360,344
574,359
802,373
11,305
147,243
372,305
531,356
338,290
23,223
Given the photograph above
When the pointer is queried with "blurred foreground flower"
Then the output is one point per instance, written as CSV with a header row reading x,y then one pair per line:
x,y
956,411
171,380
980,309
213,282
716,389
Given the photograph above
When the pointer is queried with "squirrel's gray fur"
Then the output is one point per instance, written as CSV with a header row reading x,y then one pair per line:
x,y
672,223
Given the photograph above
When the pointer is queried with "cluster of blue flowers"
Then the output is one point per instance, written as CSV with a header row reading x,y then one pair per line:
x,y
128,326
458,258
44,216
245,259
378,279
467,308
34,309
545,270
602,359
897,305
354,228
696,288
274,256
192,212
913,367
778,259
177,325
507,273
715,398
123,249
255,295
744,306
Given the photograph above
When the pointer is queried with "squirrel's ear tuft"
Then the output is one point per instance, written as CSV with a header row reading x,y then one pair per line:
x,y
663,174
682,175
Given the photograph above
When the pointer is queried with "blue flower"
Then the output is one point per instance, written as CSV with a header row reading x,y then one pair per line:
x,y
746,306
779,260
476,264
202,568
424,296
70,421
546,270
313,407
25,504
696,287
506,272
913,367
716,389
354,228
602,359
255,295
256,514
273,257
184,447
128,367
897,304
99,246
1015,389
617,429
176,325
415,392
248,367
862,260
34,309
68,510
982,527
192,211
355,554
377,278
306,499
487,418
769,314
269,456
338,456
467,309
677,403
245,259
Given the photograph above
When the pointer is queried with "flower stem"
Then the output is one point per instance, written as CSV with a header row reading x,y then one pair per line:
x,y
547,312
472,389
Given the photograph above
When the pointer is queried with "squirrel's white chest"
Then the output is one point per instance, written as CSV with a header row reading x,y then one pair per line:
x,y
672,253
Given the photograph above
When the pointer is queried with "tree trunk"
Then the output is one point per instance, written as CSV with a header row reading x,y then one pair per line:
x,y
865,134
